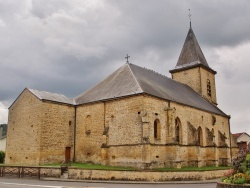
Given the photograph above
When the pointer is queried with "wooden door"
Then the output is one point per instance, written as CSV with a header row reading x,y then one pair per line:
x,y
67,154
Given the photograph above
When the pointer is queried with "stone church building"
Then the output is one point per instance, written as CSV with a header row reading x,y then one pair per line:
x,y
134,117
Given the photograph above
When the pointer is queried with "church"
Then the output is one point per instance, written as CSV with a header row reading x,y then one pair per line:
x,y
134,117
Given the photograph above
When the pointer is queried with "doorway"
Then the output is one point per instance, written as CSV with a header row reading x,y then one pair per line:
x,y
67,154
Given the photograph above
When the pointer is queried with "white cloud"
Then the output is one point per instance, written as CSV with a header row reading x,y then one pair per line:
x,y
67,46
233,86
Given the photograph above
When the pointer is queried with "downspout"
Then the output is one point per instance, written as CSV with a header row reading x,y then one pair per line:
x,y
74,154
230,141
104,114
104,120
201,92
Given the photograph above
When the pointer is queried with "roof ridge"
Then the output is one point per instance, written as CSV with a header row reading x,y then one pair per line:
x,y
50,96
150,70
99,83
110,88
165,76
134,76
30,89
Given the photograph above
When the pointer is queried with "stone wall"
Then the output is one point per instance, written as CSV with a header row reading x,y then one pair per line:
x,y
54,172
89,132
140,131
109,124
205,76
57,132
24,130
39,131
142,175
122,133
191,77
197,79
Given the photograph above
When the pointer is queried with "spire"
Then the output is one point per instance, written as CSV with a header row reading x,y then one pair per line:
x,y
191,52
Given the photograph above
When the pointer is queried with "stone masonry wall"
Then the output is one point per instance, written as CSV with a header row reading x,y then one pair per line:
x,y
24,128
114,124
89,132
57,132
133,131
124,121
121,132
143,175
38,131
197,78
157,109
191,77
205,120
206,75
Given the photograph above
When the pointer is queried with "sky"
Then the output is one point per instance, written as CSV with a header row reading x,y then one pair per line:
x,y
67,46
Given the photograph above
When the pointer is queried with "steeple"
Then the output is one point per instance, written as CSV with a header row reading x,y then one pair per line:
x,y
191,53
192,68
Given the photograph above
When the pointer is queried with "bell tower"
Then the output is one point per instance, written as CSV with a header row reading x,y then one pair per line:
x,y
192,69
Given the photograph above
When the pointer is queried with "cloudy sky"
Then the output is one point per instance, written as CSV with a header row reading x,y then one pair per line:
x,y
67,46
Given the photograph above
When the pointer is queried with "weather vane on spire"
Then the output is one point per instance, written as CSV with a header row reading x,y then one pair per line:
x,y
189,15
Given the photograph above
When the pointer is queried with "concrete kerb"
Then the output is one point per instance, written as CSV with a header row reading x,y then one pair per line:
x,y
133,182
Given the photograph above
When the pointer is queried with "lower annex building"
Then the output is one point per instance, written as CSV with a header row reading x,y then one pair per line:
x,y
134,117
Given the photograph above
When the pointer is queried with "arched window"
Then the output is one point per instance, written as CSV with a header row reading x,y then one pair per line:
x,y
208,88
157,129
178,130
212,131
200,137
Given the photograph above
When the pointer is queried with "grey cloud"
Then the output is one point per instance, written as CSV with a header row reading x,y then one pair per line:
x,y
68,46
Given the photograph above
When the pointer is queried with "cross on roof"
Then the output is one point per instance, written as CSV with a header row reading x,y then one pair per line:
x,y
127,58
189,15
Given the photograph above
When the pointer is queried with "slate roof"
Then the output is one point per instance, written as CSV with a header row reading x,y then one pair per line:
x,y
44,95
131,79
191,54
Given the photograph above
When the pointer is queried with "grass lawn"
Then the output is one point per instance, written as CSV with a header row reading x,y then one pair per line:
x,y
120,168
186,169
94,166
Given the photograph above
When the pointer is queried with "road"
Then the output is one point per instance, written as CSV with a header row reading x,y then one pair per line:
x,y
32,183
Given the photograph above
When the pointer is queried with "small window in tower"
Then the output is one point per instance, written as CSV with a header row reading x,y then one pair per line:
x,y
208,88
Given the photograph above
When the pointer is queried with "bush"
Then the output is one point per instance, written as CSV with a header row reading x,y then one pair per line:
x,y
240,173
248,157
240,181
2,156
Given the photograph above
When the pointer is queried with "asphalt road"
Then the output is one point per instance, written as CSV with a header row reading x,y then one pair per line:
x,y
33,183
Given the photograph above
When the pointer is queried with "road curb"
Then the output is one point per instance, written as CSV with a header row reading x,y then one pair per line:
x,y
132,182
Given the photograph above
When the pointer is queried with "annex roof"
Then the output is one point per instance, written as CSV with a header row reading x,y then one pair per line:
x,y
44,95
131,79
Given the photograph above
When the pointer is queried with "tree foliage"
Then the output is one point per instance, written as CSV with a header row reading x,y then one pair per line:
x,y
2,156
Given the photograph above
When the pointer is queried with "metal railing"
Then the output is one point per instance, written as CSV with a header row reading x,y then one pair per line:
x,y
20,171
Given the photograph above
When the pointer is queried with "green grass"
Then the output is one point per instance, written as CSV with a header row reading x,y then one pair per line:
x,y
92,166
190,169
100,167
